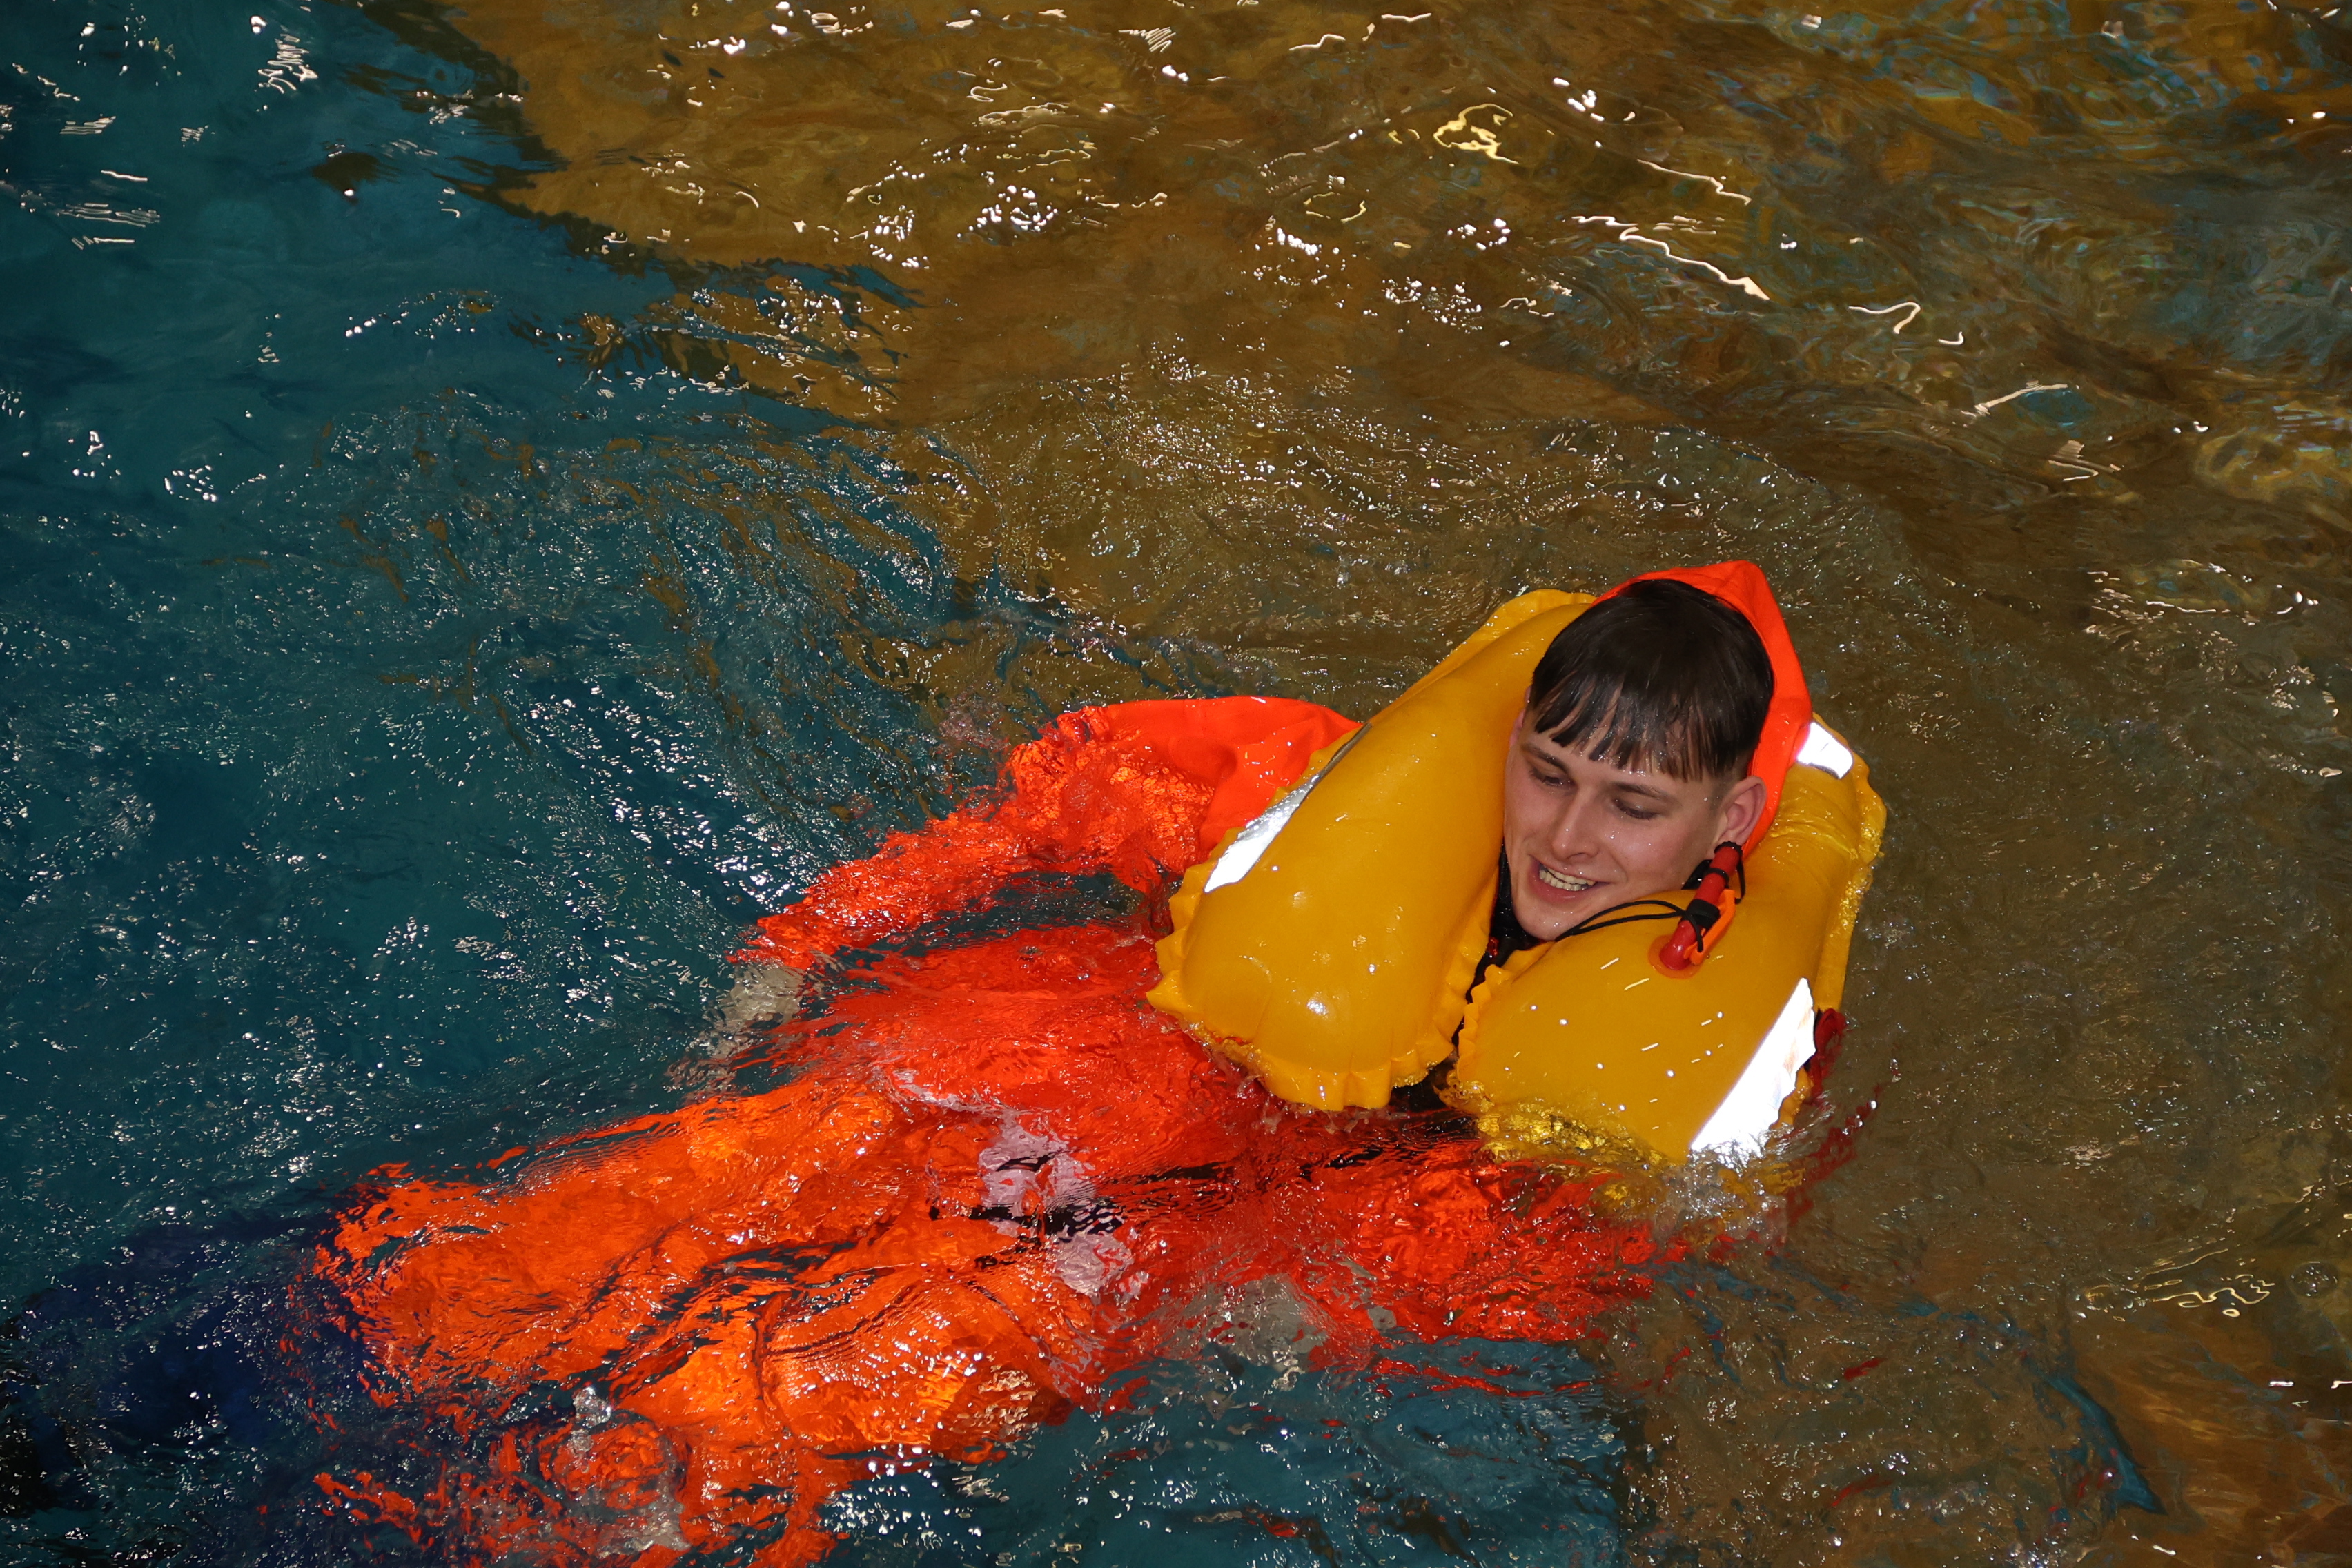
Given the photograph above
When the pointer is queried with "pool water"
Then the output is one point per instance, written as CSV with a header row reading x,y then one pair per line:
x,y
498,497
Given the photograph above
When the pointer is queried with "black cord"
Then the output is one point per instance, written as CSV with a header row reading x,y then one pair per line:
x,y
1662,912
1659,910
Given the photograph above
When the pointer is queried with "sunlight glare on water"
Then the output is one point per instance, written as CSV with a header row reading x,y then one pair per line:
x,y
500,495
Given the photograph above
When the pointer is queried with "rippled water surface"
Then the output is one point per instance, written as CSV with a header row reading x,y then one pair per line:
x,y
497,496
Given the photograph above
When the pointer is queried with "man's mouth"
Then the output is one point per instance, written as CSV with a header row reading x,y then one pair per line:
x,y
1560,881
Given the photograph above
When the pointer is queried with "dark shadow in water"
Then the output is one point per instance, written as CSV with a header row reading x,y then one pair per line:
x,y
165,1368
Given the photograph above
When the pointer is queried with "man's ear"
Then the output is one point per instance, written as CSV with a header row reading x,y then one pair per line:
x,y
1743,806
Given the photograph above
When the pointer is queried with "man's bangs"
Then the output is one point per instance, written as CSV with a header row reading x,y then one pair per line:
x,y
1640,732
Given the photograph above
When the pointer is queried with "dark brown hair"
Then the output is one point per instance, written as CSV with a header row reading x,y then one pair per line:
x,y
1661,676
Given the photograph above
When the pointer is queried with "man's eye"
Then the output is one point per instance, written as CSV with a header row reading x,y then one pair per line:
x,y
1635,812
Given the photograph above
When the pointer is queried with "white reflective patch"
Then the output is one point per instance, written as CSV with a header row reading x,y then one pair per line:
x,y
1824,751
1745,1117
1252,841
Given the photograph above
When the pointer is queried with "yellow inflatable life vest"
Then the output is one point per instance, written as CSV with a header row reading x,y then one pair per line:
x,y
1328,944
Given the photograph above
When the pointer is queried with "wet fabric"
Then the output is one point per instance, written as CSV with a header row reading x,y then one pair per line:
x,y
1140,791
996,1182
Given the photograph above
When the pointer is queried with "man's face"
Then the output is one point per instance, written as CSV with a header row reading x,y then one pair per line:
x,y
1583,835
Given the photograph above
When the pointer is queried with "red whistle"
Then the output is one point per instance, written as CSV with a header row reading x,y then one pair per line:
x,y
1708,916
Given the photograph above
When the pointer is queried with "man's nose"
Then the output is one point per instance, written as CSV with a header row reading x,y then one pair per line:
x,y
1577,829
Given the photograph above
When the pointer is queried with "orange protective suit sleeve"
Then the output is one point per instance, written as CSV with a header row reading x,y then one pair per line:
x,y
1141,790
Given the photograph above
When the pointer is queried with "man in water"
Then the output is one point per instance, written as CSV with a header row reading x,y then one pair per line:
x,y
995,1181
1628,765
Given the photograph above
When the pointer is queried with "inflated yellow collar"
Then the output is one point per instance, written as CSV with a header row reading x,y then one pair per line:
x,y
1328,945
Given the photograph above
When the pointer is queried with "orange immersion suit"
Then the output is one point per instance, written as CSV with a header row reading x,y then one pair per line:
x,y
995,1180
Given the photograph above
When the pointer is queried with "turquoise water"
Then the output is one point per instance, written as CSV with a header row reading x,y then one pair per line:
x,y
317,860
365,805
412,690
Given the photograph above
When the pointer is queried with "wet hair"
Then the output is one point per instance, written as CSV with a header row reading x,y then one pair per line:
x,y
1661,676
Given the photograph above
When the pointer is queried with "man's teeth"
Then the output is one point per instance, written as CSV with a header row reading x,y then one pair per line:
x,y
1562,880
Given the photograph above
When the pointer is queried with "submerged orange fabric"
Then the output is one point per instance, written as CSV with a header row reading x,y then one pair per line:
x,y
998,1181
1140,791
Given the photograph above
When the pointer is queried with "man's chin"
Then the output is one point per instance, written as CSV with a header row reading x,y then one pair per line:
x,y
1546,913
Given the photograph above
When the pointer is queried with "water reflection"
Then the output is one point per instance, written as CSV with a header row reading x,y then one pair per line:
x,y
1706,207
